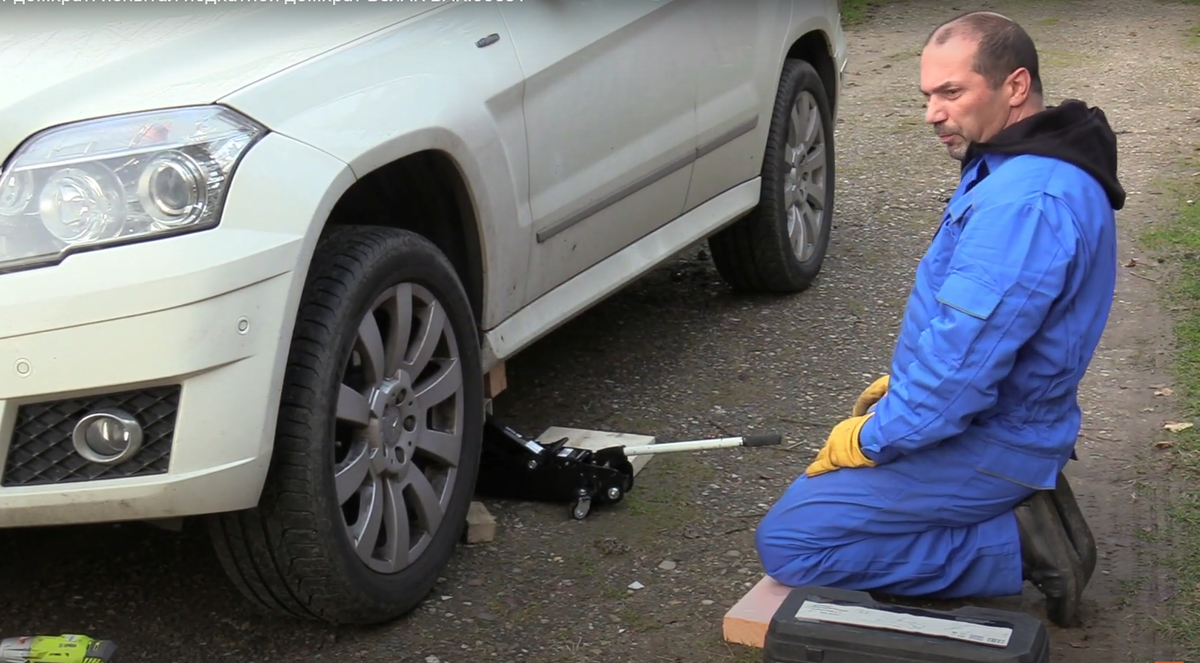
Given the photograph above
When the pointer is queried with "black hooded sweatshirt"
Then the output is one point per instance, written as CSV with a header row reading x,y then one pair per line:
x,y
1071,132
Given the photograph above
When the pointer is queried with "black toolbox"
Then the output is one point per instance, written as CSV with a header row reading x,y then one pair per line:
x,y
825,625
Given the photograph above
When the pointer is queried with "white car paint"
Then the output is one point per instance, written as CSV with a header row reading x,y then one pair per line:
x,y
465,101
575,101
737,90
623,70
61,65
159,312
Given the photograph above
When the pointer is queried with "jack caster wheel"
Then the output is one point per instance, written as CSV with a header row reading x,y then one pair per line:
x,y
581,509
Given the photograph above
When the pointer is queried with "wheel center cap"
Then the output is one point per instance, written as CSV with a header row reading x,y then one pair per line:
x,y
391,427
390,431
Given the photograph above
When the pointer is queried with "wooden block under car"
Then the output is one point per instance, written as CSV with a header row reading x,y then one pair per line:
x,y
481,524
495,381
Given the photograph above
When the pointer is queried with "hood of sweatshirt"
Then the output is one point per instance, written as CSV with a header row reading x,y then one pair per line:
x,y
1071,132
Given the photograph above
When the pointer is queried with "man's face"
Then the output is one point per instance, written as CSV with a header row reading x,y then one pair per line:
x,y
962,107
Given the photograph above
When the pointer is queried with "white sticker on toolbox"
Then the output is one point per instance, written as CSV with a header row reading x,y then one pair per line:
x,y
853,615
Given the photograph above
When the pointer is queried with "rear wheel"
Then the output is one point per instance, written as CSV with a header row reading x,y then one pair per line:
x,y
379,433
780,246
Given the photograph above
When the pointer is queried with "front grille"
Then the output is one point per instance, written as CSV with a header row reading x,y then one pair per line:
x,y
42,452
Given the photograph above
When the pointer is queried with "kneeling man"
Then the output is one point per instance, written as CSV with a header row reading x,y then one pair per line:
x,y
946,481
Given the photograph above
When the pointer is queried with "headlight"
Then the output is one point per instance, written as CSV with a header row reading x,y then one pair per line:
x,y
118,179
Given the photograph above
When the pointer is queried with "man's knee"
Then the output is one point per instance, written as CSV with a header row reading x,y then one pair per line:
x,y
776,548
785,535
817,516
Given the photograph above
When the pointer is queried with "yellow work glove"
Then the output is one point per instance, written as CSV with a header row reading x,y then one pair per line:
x,y
870,396
842,449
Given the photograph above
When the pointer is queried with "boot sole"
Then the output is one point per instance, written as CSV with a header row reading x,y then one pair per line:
x,y
1076,526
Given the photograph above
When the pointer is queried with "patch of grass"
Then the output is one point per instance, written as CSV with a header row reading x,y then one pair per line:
x,y
1183,626
736,653
905,55
855,12
661,500
613,592
1177,244
908,124
636,621
1054,58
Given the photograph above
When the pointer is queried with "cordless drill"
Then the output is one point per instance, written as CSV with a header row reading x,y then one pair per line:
x,y
56,649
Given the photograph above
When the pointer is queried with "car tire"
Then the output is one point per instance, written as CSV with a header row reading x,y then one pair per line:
x,y
759,252
330,481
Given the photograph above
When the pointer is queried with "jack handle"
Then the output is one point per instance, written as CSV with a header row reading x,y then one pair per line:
x,y
704,445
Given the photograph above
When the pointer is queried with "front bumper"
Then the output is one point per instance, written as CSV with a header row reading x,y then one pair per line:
x,y
189,333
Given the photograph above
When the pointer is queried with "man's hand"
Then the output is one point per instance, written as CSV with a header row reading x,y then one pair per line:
x,y
870,396
842,448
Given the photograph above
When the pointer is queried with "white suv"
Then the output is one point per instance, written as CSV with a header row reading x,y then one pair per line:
x,y
264,264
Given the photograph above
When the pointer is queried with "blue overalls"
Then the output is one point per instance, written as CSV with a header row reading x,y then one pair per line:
x,y
1005,313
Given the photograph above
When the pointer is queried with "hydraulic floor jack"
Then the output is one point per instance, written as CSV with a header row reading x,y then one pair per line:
x,y
516,467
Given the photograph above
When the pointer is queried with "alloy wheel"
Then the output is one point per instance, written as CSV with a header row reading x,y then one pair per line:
x,y
804,183
399,428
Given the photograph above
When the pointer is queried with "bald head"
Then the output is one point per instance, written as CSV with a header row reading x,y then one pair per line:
x,y
979,75
1002,46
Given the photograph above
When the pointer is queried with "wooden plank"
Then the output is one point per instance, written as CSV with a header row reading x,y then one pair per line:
x,y
481,524
495,381
746,623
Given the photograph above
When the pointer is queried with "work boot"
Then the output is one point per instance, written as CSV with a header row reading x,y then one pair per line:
x,y
1049,559
1076,525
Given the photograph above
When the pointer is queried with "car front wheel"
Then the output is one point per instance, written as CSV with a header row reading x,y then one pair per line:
x,y
378,440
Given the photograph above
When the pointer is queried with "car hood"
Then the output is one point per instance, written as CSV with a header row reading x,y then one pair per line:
x,y
62,64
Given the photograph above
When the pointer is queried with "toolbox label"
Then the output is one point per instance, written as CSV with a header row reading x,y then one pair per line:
x,y
852,615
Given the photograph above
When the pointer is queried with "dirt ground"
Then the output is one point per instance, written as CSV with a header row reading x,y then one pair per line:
x,y
678,357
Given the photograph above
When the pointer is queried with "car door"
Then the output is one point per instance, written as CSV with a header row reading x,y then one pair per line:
x,y
610,121
737,83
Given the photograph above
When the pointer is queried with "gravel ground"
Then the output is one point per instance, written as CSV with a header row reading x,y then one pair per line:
x,y
554,590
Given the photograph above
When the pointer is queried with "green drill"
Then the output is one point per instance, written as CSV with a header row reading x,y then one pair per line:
x,y
56,649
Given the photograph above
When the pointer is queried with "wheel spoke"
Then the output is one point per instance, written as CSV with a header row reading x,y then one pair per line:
x,y
814,159
815,194
370,515
431,334
400,307
395,550
798,125
812,118
353,407
348,477
425,501
371,344
812,227
445,448
442,385
799,229
796,194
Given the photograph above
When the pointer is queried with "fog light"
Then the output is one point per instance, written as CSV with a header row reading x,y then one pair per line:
x,y
108,436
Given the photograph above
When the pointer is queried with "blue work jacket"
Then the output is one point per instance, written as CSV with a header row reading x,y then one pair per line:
x,y
1006,311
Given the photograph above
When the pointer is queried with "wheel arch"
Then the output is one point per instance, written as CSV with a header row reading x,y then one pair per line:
x,y
816,48
428,193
